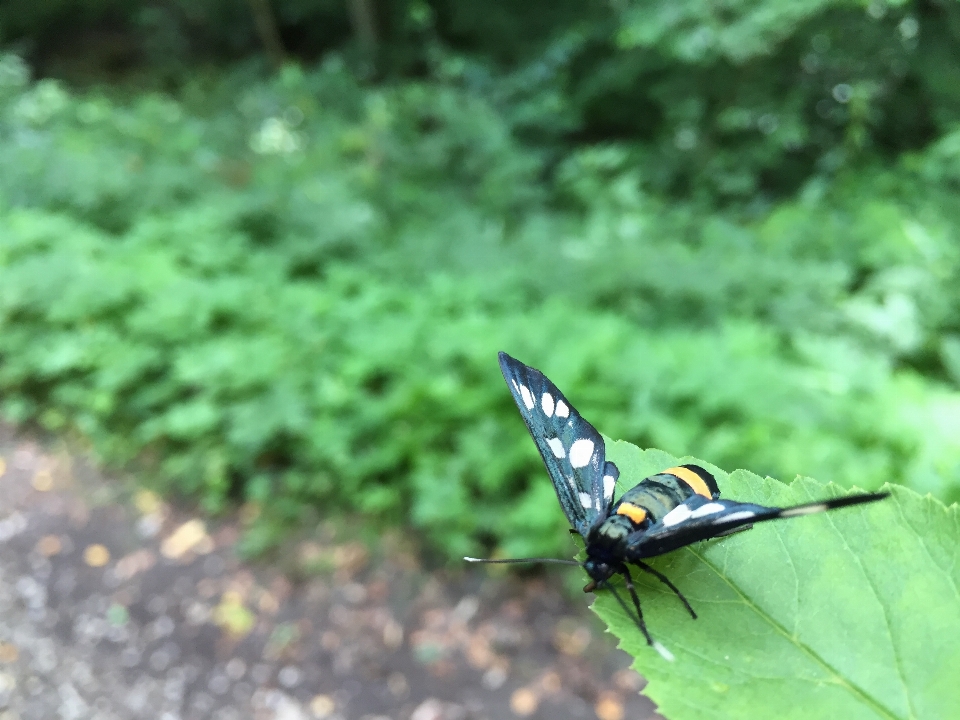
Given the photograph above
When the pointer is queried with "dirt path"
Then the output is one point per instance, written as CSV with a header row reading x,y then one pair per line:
x,y
115,606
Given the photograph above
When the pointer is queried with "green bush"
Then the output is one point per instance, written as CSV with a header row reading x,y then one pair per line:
x,y
293,292
725,101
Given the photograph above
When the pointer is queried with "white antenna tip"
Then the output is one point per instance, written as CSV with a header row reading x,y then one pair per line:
x,y
664,653
470,559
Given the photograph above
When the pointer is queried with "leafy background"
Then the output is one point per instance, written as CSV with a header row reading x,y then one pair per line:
x,y
274,263
852,613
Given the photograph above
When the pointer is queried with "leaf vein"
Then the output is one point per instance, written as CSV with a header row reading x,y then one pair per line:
x,y
894,647
853,689
796,584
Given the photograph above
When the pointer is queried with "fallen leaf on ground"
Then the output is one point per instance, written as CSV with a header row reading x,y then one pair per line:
x,y
49,545
524,701
42,481
232,616
185,538
96,555
8,653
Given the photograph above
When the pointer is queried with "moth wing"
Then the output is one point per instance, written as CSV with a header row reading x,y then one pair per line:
x,y
572,449
701,519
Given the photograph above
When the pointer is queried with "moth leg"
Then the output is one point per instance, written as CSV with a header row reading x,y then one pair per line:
x,y
666,581
636,603
576,532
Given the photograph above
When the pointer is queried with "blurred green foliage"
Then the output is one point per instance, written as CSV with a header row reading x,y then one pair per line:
x,y
725,230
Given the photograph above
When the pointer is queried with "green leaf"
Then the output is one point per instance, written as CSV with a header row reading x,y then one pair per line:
x,y
849,614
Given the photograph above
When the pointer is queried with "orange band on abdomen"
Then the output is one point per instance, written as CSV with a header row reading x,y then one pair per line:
x,y
695,482
636,513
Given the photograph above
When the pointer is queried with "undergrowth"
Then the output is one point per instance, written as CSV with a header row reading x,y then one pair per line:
x,y
292,291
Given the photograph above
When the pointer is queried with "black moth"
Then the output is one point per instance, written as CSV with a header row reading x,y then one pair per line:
x,y
664,512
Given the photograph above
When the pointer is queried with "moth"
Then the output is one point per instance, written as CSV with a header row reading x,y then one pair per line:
x,y
672,509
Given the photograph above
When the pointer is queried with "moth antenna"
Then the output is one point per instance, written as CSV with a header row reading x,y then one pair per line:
x,y
555,561
834,503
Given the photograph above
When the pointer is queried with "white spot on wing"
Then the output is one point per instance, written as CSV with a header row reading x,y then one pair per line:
x,y
708,509
546,402
586,500
741,515
677,515
581,452
562,409
557,447
608,485
527,397
805,510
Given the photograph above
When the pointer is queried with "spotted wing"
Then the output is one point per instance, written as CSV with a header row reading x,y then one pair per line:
x,y
571,448
699,518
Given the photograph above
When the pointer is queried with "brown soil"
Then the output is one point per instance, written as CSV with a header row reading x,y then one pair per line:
x,y
115,605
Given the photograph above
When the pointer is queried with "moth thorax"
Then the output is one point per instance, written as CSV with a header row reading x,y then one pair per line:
x,y
614,530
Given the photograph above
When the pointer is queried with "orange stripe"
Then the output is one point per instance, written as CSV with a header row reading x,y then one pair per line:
x,y
634,512
695,482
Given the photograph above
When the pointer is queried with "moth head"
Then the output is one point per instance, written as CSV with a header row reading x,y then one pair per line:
x,y
598,570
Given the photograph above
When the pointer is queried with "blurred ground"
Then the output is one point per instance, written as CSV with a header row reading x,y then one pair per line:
x,y
114,605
